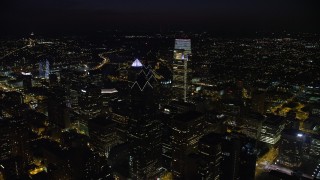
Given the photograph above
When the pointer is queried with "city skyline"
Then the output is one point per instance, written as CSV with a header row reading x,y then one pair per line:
x,y
165,90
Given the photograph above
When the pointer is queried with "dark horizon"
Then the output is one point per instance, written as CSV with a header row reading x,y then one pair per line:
x,y
78,16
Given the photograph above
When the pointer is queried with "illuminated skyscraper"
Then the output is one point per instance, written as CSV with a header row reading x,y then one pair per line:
x,y
181,70
44,69
135,69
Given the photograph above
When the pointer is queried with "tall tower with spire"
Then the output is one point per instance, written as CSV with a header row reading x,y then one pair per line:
x,y
134,70
181,69
31,40
143,128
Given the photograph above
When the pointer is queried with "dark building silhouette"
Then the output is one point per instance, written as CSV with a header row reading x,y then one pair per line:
x,y
271,129
53,79
119,110
210,152
168,112
58,112
6,143
90,103
103,135
252,124
14,147
292,147
227,156
143,129
187,128
258,101
27,82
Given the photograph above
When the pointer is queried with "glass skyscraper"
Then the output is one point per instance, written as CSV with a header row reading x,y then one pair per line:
x,y
44,69
181,70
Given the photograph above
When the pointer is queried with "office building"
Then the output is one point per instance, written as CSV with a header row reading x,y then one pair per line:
x,y
102,135
251,124
187,128
44,69
227,156
90,103
27,81
168,112
258,101
292,147
248,158
6,143
119,111
58,111
271,129
314,152
316,172
134,70
143,130
53,79
210,151
181,69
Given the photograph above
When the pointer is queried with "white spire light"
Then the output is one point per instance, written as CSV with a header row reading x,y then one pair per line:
x,y
136,63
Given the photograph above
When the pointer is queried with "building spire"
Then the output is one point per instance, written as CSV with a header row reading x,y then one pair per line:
x,y
136,63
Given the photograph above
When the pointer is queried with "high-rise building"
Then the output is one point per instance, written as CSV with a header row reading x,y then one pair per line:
x,y
248,159
102,135
6,143
210,151
315,148
27,81
14,143
44,69
188,128
258,101
119,110
251,125
271,129
231,146
181,69
316,172
53,79
291,148
143,130
134,70
58,111
227,156
169,111
90,103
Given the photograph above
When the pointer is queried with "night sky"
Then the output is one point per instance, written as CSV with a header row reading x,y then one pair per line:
x,y
137,15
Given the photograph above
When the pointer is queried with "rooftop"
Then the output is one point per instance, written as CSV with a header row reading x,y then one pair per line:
x,y
136,63
212,138
274,120
101,121
188,116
